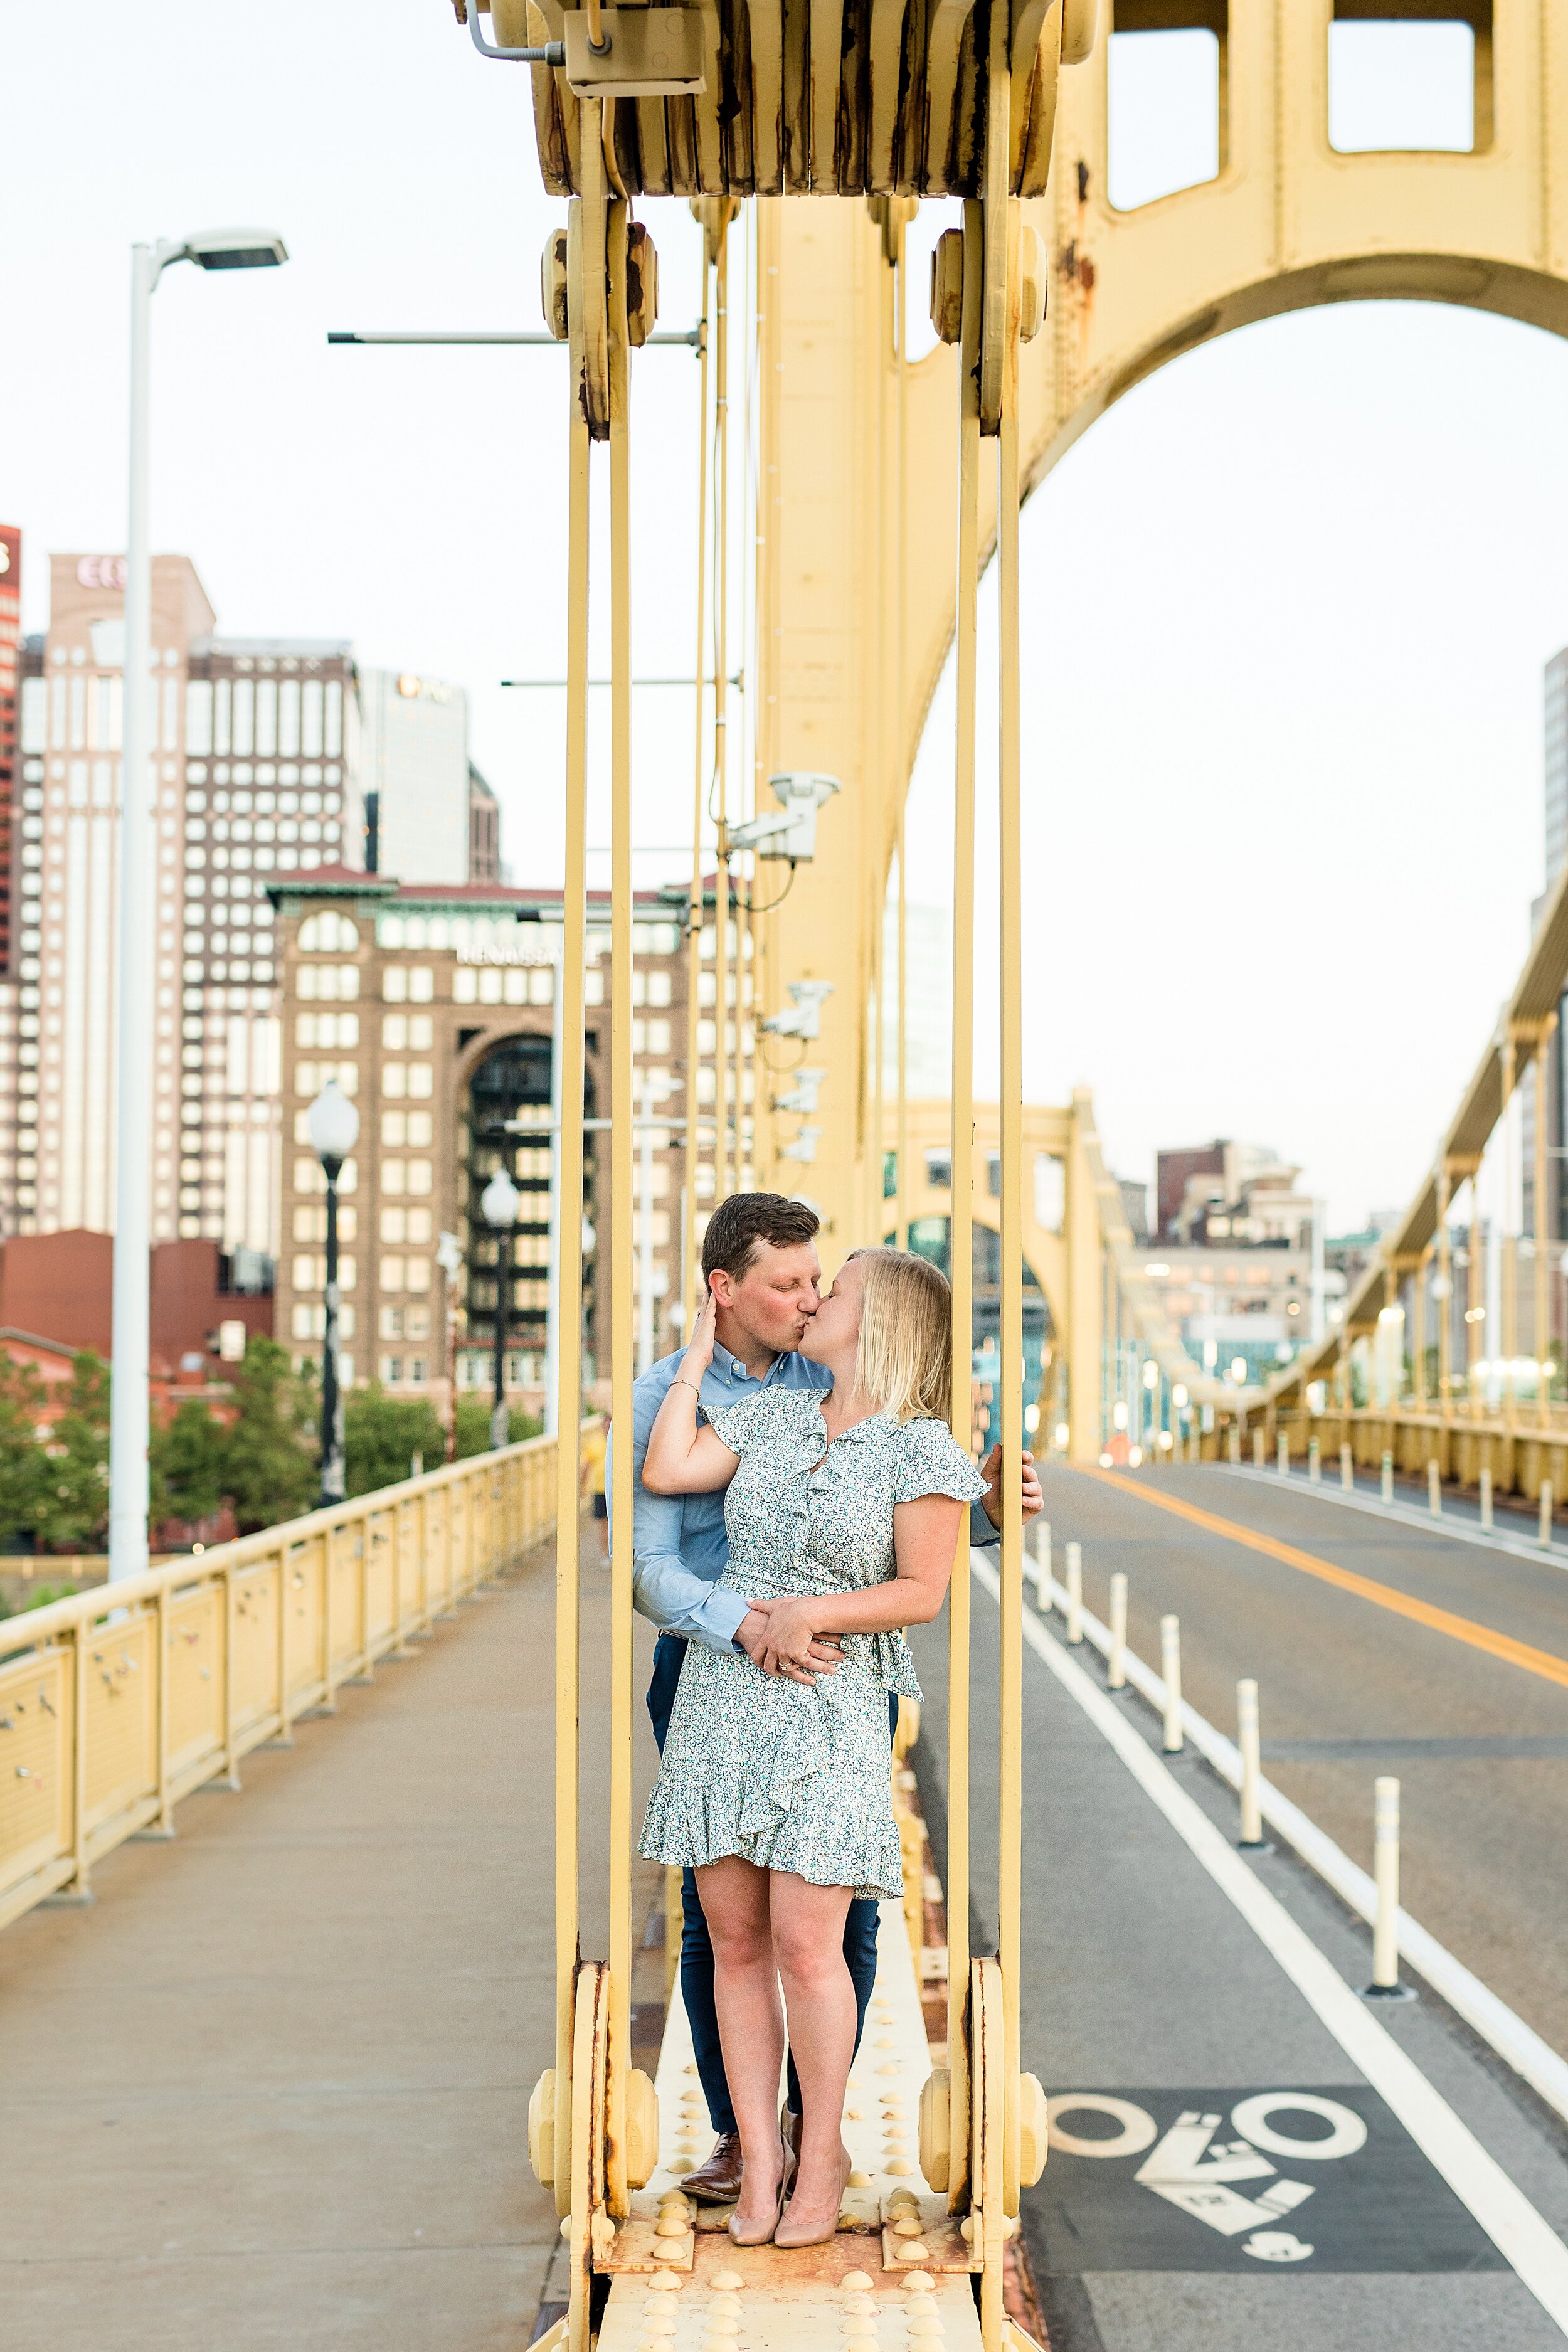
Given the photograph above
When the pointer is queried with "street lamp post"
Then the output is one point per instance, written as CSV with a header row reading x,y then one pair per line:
x,y
499,1202
231,248
332,1125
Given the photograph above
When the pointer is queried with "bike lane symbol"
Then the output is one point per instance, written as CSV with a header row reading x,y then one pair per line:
x,y
1189,2169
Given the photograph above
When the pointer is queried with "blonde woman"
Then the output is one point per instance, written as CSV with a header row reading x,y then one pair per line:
x,y
843,1509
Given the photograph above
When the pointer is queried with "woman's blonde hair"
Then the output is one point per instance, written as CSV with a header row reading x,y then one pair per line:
x,y
904,1362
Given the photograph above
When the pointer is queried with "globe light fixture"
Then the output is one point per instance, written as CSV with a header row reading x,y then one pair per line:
x,y
498,1205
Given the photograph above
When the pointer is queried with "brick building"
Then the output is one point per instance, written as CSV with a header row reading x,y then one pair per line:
x,y
432,1007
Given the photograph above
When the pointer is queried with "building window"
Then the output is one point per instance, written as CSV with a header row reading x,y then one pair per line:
x,y
328,933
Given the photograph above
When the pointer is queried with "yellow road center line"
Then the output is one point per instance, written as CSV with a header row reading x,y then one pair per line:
x,y
1385,1596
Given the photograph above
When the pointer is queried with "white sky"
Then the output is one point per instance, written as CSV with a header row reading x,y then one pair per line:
x,y
1285,613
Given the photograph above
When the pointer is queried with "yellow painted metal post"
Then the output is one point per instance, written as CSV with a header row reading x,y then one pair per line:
x,y
961,1228
1445,1299
1010,862
722,1176
622,1196
164,1824
694,905
230,1759
1475,1337
1507,1240
585,233
883,739
1540,1230
82,1634
901,778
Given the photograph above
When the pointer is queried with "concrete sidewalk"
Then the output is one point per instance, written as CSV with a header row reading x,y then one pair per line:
x,y
1147,1991
271,2089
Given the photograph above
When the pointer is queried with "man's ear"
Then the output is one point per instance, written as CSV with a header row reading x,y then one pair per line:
x,y
723,1287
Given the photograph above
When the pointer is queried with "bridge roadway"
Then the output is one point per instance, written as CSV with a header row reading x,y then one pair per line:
x,y
1147,1980
271,2089
1349,1689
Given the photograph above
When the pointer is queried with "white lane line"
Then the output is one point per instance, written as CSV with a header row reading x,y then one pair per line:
x,y
1531,2058
1533,2250
1405,1515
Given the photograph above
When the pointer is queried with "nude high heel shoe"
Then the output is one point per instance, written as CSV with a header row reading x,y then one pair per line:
x,y
804,2236
759,2233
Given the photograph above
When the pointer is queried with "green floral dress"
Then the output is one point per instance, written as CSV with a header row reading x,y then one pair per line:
x,y
786,1775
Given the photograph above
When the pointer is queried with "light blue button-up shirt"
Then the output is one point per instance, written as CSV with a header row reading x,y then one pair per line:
x,y
678,1543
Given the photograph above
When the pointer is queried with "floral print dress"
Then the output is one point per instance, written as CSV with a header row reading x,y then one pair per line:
x,y
786,1775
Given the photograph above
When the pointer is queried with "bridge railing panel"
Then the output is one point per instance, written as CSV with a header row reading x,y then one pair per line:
x,y
117,1702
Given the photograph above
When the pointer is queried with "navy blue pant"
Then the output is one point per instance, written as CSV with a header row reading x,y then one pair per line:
x,y
697,1951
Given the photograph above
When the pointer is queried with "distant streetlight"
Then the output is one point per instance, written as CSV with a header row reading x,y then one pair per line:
x,y
332,1125
499,1202
228,248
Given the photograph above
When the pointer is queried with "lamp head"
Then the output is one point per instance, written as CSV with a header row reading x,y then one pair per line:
x,y
501,1201
236,248
332,1123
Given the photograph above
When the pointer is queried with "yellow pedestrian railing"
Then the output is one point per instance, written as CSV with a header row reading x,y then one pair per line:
x,y
118,1702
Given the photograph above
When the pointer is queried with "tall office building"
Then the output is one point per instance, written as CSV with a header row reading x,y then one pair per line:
x,y
253,757
10,692
414,775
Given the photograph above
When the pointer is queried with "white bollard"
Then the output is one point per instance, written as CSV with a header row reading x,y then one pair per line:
x,y
1283,1454
1232,1448
1434,1490
1247,1739
1075,1592
1314,1463
1486,1499
1043,1567
1116,1675
1385,1984
1347,1470
1258,1444
1388,1477
1171,1667
1545,1534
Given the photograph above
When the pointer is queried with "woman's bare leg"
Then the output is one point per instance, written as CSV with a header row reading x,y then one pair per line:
x,y
751,2026
808,1943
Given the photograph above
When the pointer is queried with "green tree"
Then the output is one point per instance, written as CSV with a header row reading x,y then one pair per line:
x,y
188,1464
381,1435
69,1505
473,1427
269,1454
23,1404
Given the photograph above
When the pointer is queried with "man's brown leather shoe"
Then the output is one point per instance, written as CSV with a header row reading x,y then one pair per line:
x,y
790,2131
717,2182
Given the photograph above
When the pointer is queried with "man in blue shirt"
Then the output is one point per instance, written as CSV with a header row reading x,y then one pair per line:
x,y
758,1258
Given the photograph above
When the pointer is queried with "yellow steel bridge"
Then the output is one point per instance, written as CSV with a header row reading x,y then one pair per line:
x,y
882,487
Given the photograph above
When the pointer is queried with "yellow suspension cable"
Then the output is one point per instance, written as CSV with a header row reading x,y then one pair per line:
x,y
961,1226
622,1196
723,1178
693,1160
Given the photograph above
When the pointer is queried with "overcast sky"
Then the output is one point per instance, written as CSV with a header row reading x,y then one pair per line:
x,y
1286,607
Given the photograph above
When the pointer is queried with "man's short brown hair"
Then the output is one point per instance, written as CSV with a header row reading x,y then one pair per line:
x,y
742,1223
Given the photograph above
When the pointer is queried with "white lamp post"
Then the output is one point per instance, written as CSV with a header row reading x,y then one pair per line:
x,y
333,1124
230,248
499,1202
